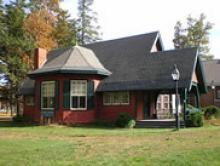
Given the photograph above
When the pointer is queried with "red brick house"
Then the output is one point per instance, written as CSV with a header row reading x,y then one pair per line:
x,y
98,81
212,72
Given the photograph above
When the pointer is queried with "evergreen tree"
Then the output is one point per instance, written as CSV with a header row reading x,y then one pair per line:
x,y
16,48
86,23
65,31
196,34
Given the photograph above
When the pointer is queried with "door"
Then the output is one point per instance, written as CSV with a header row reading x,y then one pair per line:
x,y
146,106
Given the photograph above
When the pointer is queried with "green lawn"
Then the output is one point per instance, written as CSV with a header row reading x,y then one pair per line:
x,y
60,145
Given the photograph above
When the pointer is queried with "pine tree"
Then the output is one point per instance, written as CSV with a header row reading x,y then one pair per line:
x,y
16,49
86,23
65,30
196,34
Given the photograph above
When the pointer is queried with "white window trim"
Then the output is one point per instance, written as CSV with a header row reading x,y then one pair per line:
x,y
52,108
78,109
118,104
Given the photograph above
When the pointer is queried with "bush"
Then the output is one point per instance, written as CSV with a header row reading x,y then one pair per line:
x,y
211,112
19,118
123,120
131,124
194,117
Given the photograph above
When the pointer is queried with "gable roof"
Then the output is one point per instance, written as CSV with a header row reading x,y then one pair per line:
x,y
132,64
74,60
149,71
212,71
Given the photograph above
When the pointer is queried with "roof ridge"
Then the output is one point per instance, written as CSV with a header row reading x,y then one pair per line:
x,y
70,52
120,38
83,55
173,50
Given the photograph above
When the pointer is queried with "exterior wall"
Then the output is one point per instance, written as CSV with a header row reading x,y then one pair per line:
x,y
111,112
209,98
62,115
194,77
100,112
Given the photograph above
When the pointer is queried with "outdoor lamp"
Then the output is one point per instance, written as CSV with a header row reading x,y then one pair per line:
x,y
176,76
212,85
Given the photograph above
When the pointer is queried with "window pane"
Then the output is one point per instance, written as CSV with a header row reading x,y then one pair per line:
x,y
74,102
82,102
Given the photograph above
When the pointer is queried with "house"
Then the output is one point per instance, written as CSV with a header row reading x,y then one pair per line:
x,y
212,72
98,81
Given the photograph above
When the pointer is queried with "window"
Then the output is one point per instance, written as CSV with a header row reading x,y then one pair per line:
x,y
217,93
78,95
48,94
29,100
116,98
166,102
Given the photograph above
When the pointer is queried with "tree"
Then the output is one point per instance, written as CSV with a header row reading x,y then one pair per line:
x,y
86,23
40,27
196,34
65,30
16,49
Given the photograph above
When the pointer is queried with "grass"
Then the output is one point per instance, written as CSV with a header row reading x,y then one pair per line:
x,y
61,145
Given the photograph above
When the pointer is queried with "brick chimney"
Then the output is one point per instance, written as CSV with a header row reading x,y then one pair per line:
x,y
40,56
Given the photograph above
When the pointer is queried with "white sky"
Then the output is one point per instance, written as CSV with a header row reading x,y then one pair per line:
x,y
119,18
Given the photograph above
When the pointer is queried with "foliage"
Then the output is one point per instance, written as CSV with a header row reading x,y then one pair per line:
x,y
123,119
131,124
15,48
40,28
194,117
211,112
196,34
65,31
19,118
87,29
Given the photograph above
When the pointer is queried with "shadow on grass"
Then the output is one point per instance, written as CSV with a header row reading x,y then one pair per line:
x,y
7,123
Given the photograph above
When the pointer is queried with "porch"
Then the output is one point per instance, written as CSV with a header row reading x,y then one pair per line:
x,y
158,123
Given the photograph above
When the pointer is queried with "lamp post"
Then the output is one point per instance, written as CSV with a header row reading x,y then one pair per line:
x,y
176,76
213,91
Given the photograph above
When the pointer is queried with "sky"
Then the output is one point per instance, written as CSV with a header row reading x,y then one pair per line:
x,y
120,18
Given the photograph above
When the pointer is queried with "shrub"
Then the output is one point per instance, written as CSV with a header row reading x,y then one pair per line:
x,y
19,118
194,117
131,124
211,112
123,120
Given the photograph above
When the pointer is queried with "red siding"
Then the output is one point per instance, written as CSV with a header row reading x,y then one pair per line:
x,y
100,112
71,117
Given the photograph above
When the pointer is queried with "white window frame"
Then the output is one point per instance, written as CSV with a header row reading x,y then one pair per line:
x,y
111,94
79,95
46,83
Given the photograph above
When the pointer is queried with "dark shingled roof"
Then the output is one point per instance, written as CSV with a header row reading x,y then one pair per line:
x,y
148,71
73,60
27,87
134,67
212,71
